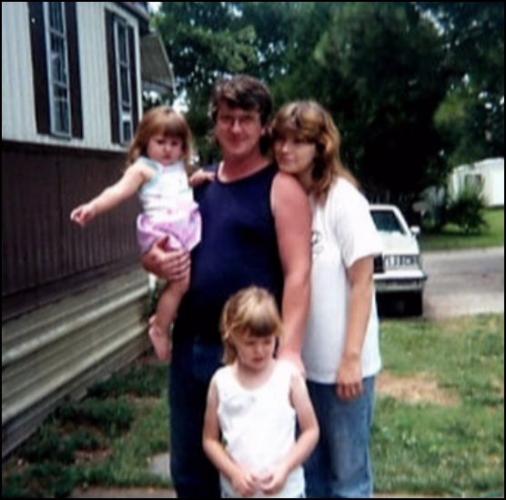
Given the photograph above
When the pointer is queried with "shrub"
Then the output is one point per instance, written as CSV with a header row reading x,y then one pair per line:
x,y
466,210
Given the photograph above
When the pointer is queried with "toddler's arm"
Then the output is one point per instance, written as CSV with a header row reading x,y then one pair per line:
x,y
127,186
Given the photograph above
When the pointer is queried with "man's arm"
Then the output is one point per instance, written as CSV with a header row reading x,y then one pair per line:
x,y
292,214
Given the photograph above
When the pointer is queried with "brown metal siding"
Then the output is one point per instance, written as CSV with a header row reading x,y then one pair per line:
x,y
40,245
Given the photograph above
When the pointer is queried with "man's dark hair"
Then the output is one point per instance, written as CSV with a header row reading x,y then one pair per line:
x,y
242,91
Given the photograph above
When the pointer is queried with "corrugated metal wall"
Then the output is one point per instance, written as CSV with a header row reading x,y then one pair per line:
x,y
40,186
59,350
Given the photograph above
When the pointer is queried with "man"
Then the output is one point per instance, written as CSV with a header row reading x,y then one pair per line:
x,y
256,231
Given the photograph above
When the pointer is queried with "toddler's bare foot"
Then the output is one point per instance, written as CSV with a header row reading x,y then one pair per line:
x,y
161,341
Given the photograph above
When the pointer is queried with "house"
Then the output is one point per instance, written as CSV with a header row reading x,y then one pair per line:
x,y
486,174
73,300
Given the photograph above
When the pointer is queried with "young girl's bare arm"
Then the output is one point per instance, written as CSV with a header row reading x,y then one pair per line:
x,y
127,186
309,434
242,481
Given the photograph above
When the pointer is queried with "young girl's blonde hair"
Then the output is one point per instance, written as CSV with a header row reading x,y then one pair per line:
x,y
250,311
165,121
308,121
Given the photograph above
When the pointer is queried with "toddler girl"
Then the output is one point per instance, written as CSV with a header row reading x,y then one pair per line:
x,y
156,169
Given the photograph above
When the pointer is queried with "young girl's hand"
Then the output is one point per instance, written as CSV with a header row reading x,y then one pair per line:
x,y
274,481
201,177
83,214
244,482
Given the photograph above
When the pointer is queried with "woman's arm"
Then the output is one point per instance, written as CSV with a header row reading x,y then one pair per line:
x,y
242,481
349,377
308,437
292,215
133,178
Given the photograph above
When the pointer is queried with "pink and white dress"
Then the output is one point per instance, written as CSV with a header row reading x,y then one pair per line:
x,y
168,209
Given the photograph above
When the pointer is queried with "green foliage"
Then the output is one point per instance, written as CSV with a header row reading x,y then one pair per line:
x,y
415,87
471,118
112,416
388,67
452,237
142,381
466,210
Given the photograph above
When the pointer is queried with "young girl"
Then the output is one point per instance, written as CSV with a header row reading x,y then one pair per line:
x,y
253,403
156,168
341,348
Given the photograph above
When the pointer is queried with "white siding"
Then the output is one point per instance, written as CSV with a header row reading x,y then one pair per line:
x,y
94,73
18,120
18,112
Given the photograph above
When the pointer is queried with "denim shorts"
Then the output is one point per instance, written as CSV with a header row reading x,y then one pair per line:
x,y
340,466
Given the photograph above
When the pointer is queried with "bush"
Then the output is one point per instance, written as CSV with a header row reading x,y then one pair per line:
x,y
466,210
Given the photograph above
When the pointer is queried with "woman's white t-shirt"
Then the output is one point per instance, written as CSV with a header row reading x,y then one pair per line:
x,y
343,232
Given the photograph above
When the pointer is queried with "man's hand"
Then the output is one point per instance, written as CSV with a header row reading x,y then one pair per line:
x,y
292,357
172,265
201,177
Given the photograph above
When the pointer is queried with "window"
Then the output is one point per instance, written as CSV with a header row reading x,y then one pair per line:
x,y
123,72
386,220
57,69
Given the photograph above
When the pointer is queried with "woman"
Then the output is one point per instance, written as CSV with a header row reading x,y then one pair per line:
x,y
341,348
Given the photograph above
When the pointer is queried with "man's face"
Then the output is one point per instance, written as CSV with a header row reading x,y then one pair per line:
x,y
238,131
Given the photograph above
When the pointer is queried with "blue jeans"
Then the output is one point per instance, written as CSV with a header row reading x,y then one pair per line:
x,y
340,466
193,364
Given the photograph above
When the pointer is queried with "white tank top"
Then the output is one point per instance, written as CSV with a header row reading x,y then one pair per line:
x,y
167,190
258,425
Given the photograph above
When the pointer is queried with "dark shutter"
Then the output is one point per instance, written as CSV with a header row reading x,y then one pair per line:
x,y
74,70
113,84
39,65
133,79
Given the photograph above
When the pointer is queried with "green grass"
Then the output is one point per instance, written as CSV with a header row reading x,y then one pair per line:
x,y
453,450
452,237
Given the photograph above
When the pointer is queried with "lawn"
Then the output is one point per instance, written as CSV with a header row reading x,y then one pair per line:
x,y
452,237
441,434
445,436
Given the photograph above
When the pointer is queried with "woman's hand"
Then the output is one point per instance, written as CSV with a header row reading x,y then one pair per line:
x,y
349,378
172,265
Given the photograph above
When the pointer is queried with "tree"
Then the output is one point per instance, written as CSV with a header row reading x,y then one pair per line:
x,y
471,118
204,42
384,65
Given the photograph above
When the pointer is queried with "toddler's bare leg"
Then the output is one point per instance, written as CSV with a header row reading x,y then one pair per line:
x,y
166,311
